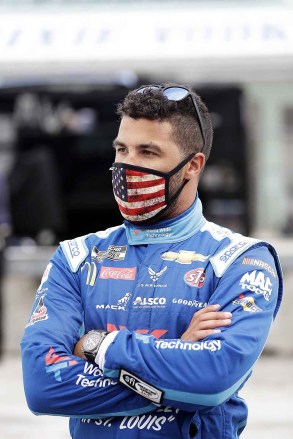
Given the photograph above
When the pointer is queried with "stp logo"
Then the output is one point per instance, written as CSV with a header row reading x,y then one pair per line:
x,y
195,278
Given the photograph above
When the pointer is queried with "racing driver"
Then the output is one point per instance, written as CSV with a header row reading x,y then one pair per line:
x,y
150,329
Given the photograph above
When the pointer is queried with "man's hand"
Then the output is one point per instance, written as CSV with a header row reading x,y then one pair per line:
x,y
205,322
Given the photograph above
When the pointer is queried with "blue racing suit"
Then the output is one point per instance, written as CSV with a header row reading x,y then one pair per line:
x,y
143,284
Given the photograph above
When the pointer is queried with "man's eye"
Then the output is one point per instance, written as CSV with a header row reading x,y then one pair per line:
x,y
148,152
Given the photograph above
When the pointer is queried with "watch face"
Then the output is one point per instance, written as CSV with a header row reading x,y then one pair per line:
x,y
91,341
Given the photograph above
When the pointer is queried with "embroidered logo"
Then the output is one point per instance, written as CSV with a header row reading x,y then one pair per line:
x,y
113,252
155,275
39,313
195,278
54,363
184,257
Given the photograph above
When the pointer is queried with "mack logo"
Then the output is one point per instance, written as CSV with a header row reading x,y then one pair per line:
x,y
184,257
141,387
195,278
257,282
118,273
120,305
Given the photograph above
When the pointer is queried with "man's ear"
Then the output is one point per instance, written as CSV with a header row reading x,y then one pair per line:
x,y
195,166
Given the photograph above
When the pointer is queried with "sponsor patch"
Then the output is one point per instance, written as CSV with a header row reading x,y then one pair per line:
x,y
155,275
127,273
233,249
91,272
141,387
39,313
113,252
75,251
258,283
55,363
149,302
192,303
210,345
184,257
195,278
121,304
247,304
260,264
139,333
222,260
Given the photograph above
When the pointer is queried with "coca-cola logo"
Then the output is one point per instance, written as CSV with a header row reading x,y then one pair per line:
x,y
195,278
127,273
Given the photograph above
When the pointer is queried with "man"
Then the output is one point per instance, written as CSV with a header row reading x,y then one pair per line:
x,y
149,329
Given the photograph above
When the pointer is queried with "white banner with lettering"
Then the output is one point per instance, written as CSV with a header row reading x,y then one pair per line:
x,y
145,35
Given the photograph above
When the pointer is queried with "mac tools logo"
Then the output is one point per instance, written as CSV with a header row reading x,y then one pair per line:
x,y
258,283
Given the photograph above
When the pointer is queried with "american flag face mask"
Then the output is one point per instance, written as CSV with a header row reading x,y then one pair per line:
x,y
143,194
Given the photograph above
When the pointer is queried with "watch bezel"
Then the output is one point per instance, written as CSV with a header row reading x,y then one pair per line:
x,y
90,354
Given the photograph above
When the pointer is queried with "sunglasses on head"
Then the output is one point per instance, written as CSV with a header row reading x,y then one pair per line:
x,y
178,93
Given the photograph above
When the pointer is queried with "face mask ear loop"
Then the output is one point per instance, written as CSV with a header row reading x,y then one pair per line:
x,y
181,164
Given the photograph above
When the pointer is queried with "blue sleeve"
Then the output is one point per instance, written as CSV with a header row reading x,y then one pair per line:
x,y
196,375
55,381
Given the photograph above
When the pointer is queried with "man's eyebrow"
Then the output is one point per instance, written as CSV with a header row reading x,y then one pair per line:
x,y
150,145
117,142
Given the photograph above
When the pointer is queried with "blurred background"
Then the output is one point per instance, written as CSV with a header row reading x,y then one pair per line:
x,y
64,66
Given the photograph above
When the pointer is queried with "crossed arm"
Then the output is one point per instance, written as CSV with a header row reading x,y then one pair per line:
x,y
204,323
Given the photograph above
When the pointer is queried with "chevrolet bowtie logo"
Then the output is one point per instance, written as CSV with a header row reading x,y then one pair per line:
x,y
184,257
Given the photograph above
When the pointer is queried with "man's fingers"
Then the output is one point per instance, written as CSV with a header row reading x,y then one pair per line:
x,y
220,315
212,324
187,336
208,308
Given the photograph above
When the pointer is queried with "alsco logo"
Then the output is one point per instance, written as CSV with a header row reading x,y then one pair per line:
x,y
195,278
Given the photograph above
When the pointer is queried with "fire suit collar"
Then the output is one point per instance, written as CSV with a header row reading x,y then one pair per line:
x,y
169,231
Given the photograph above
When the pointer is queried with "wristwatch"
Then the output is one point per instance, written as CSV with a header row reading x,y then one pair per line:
x,y
92,342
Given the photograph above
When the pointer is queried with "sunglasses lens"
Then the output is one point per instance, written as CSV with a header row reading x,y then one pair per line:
x,y
149,87
175,93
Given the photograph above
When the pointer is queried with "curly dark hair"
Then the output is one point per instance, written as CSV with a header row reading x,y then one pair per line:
x,y
153,105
